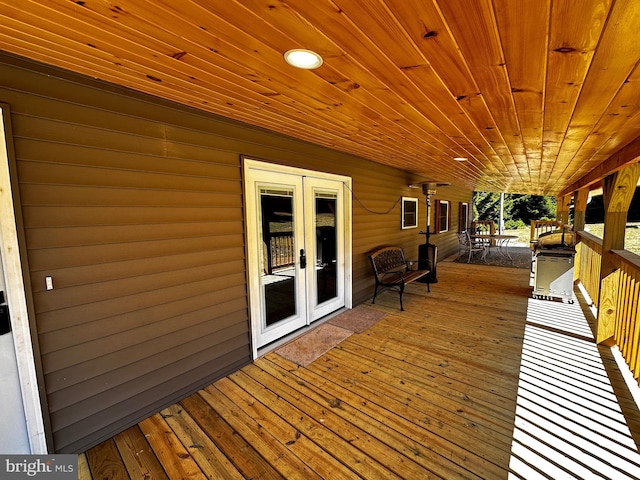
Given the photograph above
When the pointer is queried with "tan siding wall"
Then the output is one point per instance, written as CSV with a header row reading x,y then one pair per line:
x,y
135,208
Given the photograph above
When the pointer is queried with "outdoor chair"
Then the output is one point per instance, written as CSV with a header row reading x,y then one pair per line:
x,y
468,246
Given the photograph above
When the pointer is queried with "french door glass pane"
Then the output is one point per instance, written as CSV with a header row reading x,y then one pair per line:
x,y
326,261
279,255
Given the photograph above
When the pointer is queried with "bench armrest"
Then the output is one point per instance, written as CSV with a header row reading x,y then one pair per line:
x,y
412,265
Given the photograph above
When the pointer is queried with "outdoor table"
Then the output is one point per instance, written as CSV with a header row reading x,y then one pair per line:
x,y
499,241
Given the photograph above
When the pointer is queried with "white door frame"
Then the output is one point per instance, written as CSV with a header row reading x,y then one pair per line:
x,y
16,296
293,185
251,244
313,186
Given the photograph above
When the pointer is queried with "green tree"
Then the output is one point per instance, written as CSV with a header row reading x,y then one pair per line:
x,y
486,206
519,210
531,207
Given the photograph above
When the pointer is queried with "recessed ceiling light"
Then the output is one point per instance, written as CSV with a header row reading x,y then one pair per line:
x,y
300,58
460,159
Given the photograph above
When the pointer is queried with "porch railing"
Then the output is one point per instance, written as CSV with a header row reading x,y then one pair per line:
x,y
588,261
627,311
539,227
627,324
485,227
281,251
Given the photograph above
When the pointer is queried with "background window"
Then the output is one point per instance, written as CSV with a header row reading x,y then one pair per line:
x,y
463,223
442,216
409,212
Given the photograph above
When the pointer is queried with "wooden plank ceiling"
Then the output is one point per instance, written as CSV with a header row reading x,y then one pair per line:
x,y
534,93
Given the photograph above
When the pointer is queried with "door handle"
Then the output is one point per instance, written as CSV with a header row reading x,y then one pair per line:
x,y
303,259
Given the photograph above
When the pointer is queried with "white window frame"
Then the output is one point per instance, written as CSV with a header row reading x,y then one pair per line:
x,y
443,226
405,202
463,226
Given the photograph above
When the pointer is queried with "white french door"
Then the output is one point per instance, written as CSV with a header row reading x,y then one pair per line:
x,y
297,230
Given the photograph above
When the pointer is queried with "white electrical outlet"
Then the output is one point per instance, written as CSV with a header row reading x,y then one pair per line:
x,y
49,282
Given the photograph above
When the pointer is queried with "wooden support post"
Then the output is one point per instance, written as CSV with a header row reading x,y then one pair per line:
x,y
562,209
559,209
579,208
618,189
567,200
580,199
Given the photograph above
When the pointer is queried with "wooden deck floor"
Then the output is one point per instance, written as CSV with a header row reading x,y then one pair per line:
x,y
436,391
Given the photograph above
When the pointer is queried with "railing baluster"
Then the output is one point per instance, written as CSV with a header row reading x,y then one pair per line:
x,y
281,250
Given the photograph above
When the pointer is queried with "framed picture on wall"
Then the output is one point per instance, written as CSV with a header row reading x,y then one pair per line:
x,y
409,214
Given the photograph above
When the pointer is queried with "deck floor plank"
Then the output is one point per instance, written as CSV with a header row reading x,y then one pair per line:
x,y
84,472
349,408
494,356
241,453
475,380
431,406
488,380
105,462
410,432
402,379
171,453
211,460
137,455
273,451
428,398
353,447
302,446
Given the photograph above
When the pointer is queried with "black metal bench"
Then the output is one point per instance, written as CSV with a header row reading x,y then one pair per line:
x,y
392,270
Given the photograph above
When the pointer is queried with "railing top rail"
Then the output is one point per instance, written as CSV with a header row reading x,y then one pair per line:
x,y
595,243
628,257
589,239
280,234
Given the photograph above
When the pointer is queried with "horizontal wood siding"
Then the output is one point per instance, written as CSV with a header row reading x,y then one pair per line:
x,y
140,225
134,207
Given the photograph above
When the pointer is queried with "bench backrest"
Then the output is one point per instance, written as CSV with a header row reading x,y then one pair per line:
x,y
388,259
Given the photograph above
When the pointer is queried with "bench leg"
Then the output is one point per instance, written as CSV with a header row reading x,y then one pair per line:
x,y
375,292
401,292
